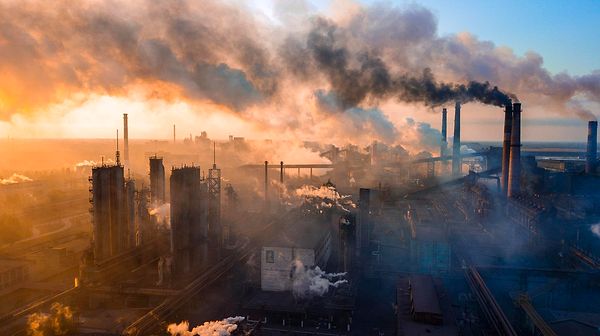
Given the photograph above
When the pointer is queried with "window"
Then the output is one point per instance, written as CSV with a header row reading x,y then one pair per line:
x,y
270,256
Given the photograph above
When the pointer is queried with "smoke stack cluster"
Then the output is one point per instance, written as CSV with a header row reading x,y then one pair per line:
x,y
514,173
456,159
592,147
508,115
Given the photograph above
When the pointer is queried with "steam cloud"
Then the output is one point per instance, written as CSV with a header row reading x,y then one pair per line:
x,y
224,327
324,197
310,282
162,212
596,229
59,322
14,179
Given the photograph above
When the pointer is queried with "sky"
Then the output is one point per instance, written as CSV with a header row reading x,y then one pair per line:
x,y
67,77
566,33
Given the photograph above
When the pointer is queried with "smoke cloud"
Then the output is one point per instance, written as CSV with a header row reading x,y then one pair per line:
x,y
595,229
323,197
161,212
310,282
58,322
14,179
222,54
224,327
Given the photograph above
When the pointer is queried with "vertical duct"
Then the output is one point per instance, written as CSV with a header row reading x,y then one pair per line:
x,y
125,139
508,115
592,147
514,173
456,159
444,132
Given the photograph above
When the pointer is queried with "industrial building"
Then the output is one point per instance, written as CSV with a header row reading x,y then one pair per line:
x,y
189,222
157,180
110,213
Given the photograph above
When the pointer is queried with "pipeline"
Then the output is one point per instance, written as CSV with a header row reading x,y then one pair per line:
x,y
488,304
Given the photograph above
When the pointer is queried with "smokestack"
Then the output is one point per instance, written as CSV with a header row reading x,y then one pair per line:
x,y
266,185
444,132
508,115
125,139
281,172
514,173
174,141
456,159
592,147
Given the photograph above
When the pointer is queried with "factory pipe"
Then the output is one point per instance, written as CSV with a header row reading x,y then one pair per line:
x,y
444,132
125,139
508,114
456,159
514,173
592,147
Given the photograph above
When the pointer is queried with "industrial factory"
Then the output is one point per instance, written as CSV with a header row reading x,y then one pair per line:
x,y
498,240
271,168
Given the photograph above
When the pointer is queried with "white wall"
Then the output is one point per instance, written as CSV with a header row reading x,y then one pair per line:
x,y
276,275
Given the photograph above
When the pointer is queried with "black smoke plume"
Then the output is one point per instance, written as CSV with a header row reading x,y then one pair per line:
x,y
370,78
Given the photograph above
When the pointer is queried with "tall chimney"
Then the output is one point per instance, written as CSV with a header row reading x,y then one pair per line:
x,y
266,185
514,173
508,115
125,139
281,172
174,133
456,159
592,147
444,132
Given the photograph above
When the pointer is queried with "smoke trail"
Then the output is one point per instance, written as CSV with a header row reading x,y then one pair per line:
x,y
58,322
310,282
14,179
371,78
224,327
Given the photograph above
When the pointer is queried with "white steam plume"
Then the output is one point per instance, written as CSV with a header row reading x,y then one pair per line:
x,y
310,282
596,229
161,212
224,327
14,179
323,197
